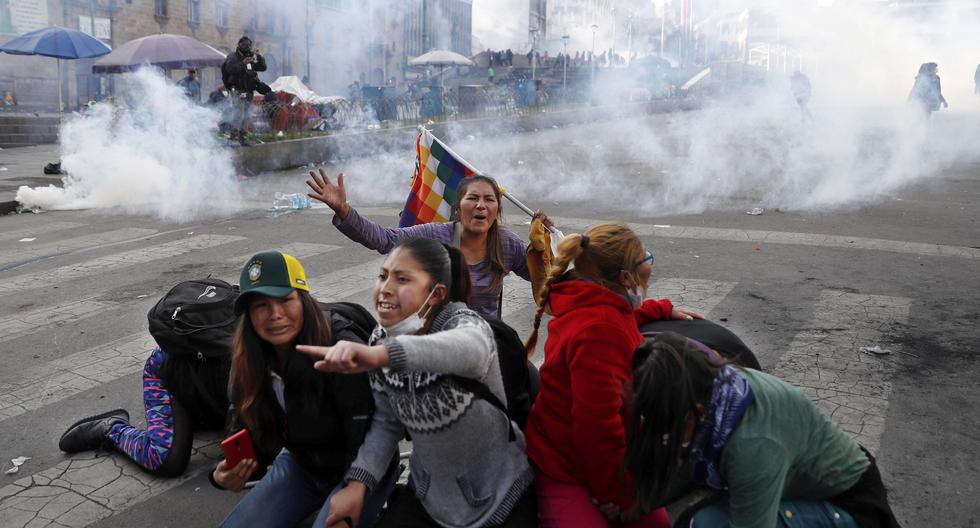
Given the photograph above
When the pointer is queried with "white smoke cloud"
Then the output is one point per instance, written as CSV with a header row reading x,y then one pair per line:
x,y
752,147
158,157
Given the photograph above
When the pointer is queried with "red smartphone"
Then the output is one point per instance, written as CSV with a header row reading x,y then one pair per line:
x,y
238,447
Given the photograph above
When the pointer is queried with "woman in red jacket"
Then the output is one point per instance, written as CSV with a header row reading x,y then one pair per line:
x,y
576,436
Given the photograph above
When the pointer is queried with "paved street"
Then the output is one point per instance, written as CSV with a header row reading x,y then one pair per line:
x,y
805,289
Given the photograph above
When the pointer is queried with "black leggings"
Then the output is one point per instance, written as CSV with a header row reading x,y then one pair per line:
x,y
406,511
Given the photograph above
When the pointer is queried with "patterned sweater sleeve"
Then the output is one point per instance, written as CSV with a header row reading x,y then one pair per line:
x,y
465,347
373,235
380,444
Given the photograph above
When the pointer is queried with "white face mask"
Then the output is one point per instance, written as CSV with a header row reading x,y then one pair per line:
x,y
411,324
636,296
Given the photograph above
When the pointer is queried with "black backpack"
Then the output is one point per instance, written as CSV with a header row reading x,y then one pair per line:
x,y
709,333
194,324
361,321
520,376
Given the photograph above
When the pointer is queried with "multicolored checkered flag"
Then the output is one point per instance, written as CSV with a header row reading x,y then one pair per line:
x,y
438,171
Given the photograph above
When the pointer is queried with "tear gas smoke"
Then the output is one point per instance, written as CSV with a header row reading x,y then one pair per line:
x,y
152,153
752,147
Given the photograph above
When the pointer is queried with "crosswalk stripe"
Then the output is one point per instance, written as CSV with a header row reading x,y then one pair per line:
x,y
21,324
67,376
517,295
347,282
55,380
29,252
300,250
851,386
88,487
112,262
696,294
33,231
783,237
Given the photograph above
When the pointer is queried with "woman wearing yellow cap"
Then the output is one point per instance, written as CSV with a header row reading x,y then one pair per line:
x,y
307,424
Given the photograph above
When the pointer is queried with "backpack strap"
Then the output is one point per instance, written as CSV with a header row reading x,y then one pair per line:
x,y
457,235
483,392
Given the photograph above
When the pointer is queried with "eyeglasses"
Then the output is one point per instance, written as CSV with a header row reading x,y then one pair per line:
x,y
647,257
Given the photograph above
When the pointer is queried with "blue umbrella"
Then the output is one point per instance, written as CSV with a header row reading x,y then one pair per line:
x,y
58,42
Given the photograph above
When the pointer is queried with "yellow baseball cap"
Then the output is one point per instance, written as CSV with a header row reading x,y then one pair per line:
x,y
270,273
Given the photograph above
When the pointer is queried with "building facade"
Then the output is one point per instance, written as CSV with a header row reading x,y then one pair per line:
x,y
333,42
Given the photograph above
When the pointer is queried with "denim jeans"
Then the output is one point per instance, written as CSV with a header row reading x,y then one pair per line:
x,y
792,514
287,494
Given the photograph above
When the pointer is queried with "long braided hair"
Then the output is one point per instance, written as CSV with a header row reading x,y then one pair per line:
x,y
600,254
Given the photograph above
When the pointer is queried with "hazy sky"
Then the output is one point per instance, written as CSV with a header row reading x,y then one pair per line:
x,y
500,24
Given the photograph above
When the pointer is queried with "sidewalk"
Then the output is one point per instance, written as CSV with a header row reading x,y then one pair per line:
x,y
25,166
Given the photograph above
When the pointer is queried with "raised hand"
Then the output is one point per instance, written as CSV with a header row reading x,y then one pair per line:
x,y
334,195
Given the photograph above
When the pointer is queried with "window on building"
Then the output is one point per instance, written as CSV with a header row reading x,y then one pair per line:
x,y
222,13
193,11
160,8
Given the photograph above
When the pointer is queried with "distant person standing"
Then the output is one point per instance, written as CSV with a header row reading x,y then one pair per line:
x,y
802,90
240,74
191,86
976,81
927,92
490,74
10,100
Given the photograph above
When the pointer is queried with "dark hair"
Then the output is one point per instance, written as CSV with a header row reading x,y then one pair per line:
x,y
670,377
250,360
444,263
495,245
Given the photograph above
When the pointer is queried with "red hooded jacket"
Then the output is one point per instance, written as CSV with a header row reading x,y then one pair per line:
x,y
576,431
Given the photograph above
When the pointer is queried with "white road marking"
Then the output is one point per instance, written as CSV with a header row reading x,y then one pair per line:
x,y
696,294
21,324
517,296
300,250
53,381
113,262
783,237
852,387
35,230
32,251
67,376
352,281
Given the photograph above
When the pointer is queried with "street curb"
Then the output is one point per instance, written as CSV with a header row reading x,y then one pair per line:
x,y
8,207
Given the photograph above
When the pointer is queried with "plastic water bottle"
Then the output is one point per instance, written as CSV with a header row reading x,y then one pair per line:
x,y
283,202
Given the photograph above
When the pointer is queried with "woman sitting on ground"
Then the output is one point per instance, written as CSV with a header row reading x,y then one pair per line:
x,y
576,432
779,459
468,467
491,251
181,394
308,424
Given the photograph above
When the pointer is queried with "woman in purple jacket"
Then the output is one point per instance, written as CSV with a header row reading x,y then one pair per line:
x,y
491,251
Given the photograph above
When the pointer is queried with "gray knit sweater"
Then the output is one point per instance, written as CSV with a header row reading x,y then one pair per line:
x,y
463,468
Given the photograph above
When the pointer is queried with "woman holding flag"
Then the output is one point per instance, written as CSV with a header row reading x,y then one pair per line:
x,y
490,251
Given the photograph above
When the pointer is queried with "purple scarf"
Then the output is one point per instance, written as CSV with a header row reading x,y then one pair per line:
x,y
730,397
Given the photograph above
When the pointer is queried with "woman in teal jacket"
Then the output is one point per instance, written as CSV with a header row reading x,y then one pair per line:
x,y
775,458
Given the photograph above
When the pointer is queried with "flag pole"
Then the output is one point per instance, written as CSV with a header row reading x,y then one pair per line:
x,y
507,195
